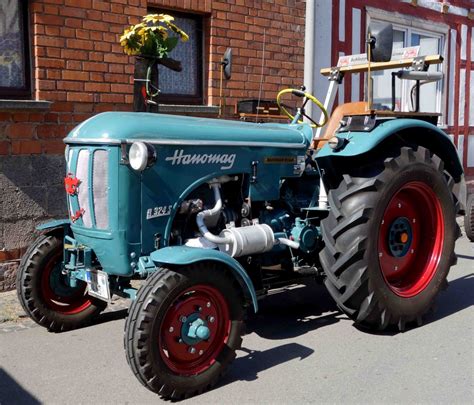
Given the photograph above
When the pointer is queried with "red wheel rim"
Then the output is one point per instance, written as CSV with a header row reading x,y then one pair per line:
x,y
200,301
57,295
410,239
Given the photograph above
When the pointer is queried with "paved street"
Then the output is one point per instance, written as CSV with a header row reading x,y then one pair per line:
x,y
298,349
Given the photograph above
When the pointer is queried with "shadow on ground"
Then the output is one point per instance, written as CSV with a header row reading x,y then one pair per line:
x,y
247,368
294,312
13,393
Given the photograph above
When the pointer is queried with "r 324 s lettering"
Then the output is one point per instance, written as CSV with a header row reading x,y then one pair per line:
x,y
195,227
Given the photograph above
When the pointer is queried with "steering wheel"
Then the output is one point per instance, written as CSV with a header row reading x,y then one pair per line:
x,y
308,97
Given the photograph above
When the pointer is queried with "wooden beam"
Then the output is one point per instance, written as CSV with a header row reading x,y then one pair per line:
x,y
430,60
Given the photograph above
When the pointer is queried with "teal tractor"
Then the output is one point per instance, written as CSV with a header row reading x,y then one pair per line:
x,y
212,214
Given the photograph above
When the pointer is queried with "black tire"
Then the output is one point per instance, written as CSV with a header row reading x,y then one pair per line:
x,y
469,218
366,288
56,307
148,322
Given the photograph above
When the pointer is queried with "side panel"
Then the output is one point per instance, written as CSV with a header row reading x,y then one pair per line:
x,y
182,255
181,169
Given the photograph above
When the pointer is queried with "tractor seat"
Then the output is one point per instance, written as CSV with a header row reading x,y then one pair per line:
x,y
341,111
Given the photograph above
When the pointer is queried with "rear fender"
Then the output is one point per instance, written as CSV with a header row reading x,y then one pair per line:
x,y
402,131
183,255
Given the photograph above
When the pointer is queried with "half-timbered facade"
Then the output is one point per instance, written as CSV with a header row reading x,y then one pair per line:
x,y
438,27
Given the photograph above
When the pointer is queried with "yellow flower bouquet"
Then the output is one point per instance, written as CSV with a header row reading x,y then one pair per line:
x,y
151,38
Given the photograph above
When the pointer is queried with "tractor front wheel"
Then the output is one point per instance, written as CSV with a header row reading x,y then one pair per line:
x,y
389,240
44,293
183,329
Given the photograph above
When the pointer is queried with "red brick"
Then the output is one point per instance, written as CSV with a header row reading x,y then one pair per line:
x,y
51,117
96,77
26,147
82,34
97,87
53,74
47,19
114,58
36,117
83,107
5,116
53,147
62,107
81,97
20,130
68,32
49,41
74,54
101,5
73,22
4,148
73,65
79,3
121,88
112,98
79,44
49,131
95,66
52,31
20,117
75,75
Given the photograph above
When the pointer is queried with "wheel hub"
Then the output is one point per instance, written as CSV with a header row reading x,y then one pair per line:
x,y
400,237
195,329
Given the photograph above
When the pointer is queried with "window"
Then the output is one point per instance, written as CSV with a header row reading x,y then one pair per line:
x,y
184,87
14,55
432,97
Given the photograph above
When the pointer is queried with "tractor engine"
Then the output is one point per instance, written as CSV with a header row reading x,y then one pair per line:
x,y
218,216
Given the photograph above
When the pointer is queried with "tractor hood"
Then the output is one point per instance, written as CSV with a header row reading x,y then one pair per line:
x,y
118,127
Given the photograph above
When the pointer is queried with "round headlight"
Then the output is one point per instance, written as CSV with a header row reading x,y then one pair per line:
x,y
141,156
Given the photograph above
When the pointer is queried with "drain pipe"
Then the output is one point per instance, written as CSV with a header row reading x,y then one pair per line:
x,y
309,52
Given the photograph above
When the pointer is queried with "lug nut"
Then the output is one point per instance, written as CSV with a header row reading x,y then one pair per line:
x,y
183,319
208,304
201,352
211,319
180,340
396,268
171,329
192,350
199,309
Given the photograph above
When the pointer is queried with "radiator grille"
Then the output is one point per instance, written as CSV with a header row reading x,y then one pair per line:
x,y
92,170
82,173
100,191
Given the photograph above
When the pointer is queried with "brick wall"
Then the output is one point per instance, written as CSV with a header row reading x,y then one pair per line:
x,y
78,65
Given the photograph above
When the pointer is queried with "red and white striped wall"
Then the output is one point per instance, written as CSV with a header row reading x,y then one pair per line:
x,y
340,27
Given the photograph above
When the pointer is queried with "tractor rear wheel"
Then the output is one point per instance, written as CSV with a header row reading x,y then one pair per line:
x,y
389,240
469,218
44,293
183,329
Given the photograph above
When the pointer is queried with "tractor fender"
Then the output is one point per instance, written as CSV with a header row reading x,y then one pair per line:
x,y
183,255
405,129
54,226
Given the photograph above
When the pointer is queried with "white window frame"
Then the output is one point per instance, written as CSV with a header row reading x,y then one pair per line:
x,y
413,25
